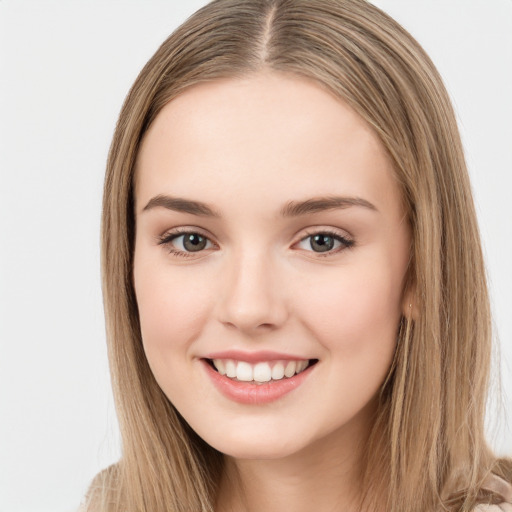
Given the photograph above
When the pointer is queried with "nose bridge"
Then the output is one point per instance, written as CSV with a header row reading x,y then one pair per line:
x,y
251,298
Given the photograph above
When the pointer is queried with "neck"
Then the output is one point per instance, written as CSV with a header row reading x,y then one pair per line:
x,y
324,476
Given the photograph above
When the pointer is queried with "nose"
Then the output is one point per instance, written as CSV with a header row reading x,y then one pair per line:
x,y
252,298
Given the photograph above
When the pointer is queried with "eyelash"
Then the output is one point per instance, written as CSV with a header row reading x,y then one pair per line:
x,y
346,243
167,238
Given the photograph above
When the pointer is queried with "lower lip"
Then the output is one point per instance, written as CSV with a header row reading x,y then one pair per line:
x,y
249,393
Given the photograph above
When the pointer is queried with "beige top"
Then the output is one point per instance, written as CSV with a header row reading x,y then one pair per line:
x,y
499,486
494,483
504,507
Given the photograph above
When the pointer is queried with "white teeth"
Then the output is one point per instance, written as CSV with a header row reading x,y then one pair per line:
x,y
244,371
262,372
290,369
230,369
301,366
278,371
221,367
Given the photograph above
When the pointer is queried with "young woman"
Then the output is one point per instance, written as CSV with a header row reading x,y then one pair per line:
x,y
294,289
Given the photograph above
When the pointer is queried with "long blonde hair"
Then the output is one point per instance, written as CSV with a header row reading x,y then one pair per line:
x,y
428,440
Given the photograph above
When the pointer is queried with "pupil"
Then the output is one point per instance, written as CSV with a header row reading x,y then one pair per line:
x,y
194,242
322,243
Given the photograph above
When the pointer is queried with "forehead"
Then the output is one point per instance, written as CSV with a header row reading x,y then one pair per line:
x,y
268,133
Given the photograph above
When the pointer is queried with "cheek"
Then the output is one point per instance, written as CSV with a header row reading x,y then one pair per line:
x,y
357,324
171,307
357,315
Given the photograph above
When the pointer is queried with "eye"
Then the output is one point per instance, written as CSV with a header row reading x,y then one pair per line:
x,y
185,243
325,242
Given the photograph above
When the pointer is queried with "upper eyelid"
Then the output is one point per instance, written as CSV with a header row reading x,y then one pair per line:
x,y
171,234
306,232
336,232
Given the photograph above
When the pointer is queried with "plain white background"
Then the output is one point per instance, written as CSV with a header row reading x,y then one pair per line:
x,y
65,67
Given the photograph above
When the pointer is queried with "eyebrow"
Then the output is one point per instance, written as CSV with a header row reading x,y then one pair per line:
x,y
319,204
290,209
179,204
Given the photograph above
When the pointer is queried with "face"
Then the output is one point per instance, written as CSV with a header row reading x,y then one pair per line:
x,y
270,256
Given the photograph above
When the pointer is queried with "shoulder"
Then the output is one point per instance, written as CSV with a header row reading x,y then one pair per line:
x,y
102,494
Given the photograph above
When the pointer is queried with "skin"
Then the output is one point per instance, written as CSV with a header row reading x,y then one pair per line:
x,y
247,147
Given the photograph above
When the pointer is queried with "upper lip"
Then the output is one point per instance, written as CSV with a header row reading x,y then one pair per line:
x,y
254,357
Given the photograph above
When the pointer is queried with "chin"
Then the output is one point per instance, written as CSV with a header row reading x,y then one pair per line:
x,y
257,445
256,451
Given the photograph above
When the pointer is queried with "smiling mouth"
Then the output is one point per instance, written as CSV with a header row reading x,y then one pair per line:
x,y
262,372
